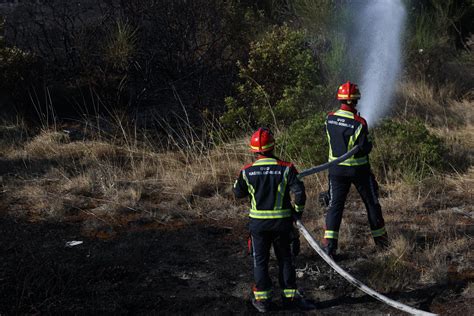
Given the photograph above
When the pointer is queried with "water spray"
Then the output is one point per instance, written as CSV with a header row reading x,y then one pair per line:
x,y
378,43
380,24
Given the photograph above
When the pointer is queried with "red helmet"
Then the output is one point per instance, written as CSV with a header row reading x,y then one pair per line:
x,y
348,91
262,140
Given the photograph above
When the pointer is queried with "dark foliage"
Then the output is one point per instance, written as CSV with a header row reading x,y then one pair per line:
x,y
145,56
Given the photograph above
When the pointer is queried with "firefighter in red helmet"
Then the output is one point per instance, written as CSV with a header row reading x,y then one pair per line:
x,y
345,129
268,182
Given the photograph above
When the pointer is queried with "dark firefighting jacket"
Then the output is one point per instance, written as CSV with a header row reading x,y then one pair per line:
x,y
345,129
268,181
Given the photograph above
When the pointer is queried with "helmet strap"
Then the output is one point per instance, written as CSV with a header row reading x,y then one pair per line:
x,y
265,153
352,103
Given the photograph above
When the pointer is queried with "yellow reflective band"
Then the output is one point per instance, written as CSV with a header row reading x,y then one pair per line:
x,y
351,161
289,293
265,162
379,232
281,190
354,161
253,201
353,138
329,142
269,214
262,295
263,147
331,234
343,113
348,95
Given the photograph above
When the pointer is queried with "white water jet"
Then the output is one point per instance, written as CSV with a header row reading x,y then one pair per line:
x,y
380,25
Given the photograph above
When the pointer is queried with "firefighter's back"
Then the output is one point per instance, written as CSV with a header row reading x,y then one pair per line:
x,y
267,179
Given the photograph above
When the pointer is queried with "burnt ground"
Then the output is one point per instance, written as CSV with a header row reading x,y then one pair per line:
x,y
198,267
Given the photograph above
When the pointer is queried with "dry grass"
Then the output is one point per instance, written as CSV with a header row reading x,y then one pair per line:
x,y
434,105
116,178
391,270
113,185
469,291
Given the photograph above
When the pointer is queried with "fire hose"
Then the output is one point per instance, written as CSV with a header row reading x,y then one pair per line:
x,y
313,243
326,165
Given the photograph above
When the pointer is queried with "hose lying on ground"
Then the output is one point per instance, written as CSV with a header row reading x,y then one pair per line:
x,y
353,280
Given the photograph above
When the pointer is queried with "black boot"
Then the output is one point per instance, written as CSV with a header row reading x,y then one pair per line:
x,y
298,302
382,242
262,306
329,246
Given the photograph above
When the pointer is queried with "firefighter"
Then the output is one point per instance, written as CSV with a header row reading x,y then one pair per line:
x,y
268,182
345,129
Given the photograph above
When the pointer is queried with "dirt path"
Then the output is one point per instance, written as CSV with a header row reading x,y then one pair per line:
x,y
195,268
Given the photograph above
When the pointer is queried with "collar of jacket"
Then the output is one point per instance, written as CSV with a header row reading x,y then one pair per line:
x,y
349,108
265,157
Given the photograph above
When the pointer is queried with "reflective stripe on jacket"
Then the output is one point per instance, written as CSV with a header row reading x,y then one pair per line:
x,y
268,181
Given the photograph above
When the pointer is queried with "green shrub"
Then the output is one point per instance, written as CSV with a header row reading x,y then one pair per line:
x,y
406,149
401,149
305,140
279,83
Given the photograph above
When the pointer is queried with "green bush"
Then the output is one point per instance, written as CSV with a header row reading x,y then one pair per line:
x,y
305,140
279,83
406,149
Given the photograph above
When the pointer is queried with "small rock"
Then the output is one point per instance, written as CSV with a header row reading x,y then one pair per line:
x,y
73,243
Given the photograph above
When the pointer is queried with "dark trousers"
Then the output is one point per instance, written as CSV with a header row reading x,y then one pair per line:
x,y
261,242
368,190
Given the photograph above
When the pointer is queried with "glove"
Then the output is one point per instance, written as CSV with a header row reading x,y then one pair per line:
x,y
297,215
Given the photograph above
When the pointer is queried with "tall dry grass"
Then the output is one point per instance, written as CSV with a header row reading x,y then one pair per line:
x,y
107,177
429,102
